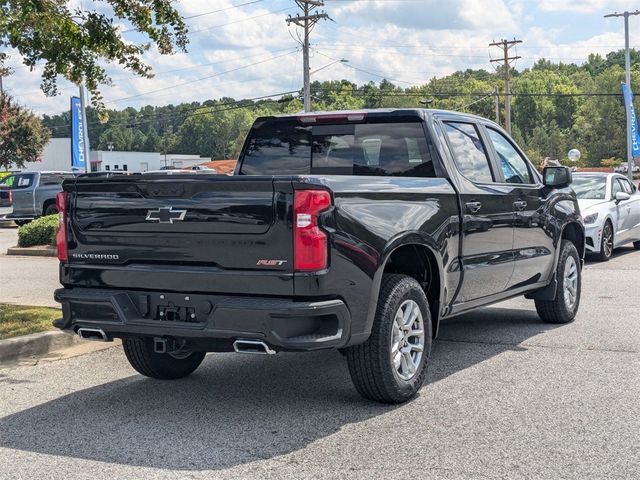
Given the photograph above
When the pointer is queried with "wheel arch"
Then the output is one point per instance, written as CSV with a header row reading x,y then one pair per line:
x,y
574,232
400,257
47,203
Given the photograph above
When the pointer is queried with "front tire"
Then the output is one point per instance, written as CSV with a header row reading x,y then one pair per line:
x,y
563,308
606,242
163,366
391,366
636,245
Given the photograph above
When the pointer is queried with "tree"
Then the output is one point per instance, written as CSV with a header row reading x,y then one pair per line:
x,y
22,136
75,43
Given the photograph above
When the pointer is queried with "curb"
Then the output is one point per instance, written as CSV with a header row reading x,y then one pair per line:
x,y
33,251
35,344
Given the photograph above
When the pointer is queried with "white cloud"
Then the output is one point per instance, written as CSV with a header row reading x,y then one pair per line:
x,y
582,6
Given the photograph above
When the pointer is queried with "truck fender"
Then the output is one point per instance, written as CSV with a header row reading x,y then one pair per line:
x,y
406,240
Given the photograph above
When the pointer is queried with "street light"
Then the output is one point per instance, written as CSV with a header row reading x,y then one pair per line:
x,y
342,60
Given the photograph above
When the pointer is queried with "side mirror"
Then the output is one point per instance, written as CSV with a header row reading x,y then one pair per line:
x,y
622,196
556,177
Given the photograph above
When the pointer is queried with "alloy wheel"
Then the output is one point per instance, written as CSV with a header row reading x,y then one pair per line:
x,y
407,340
570,283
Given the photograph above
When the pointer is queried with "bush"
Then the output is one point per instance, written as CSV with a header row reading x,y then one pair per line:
x,y
41,231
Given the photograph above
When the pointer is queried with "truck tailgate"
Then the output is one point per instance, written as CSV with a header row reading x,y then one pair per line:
x,y
214,234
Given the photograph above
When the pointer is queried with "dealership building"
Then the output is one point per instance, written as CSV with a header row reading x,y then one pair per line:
x,y
57,156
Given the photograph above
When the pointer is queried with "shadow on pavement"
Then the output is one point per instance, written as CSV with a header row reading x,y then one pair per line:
x,y
238,409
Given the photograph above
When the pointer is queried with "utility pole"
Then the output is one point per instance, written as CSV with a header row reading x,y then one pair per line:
x,y
307,21
506,60
627,67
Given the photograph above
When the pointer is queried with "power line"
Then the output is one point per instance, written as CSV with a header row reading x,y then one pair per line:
x,y
151,92
200,110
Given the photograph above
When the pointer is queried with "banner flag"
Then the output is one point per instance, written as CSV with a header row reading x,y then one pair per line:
x,y
78,160
635,137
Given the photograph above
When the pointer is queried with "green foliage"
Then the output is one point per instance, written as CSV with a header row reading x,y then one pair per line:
x,y
22,135
76,43
610,162
41,231
553,111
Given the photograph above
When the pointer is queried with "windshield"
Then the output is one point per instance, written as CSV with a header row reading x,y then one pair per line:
x,y
590,188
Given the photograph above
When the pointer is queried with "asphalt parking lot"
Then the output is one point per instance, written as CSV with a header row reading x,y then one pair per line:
x,y
507,397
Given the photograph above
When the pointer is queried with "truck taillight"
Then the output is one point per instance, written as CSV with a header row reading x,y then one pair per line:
x,y
61,237
310,242
10,197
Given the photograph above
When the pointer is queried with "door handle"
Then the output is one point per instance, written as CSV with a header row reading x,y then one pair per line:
x,y
520,205
473,207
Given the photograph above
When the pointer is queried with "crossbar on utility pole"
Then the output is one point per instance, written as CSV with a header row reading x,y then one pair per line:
x,y
506,60
627,67
307,21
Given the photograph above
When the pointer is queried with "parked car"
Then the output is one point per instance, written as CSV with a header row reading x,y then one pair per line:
x,y
33,194
610,207
352,230
624,168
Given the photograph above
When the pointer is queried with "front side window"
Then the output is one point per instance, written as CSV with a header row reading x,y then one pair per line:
x,y
626,186
468,151
514,166
616,187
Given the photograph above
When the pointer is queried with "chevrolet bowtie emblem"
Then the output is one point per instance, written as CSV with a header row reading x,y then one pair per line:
x,y
165,215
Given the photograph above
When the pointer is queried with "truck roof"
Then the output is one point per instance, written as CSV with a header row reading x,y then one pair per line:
x,y
420,112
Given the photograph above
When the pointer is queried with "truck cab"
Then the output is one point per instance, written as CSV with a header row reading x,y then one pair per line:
x,y
33,194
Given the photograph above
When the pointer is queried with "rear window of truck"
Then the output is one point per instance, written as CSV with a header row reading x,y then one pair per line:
x,y
378,149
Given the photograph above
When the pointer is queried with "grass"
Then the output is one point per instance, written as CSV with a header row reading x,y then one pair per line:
x,y
16,320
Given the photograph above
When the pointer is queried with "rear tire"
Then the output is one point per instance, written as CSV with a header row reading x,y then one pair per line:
x,y
391,366
606,242
636,245
50,209
563,308
21,222
163,366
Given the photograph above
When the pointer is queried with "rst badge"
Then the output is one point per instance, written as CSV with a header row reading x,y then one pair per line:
x,y
165,215
271,263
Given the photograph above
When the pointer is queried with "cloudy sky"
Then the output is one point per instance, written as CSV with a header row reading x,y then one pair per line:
x,y
244,49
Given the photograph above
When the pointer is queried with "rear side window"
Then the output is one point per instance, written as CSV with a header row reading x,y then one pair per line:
x,y
469,152
22,181
51,180
386,149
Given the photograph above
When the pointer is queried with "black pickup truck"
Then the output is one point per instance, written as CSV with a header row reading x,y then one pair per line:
x,y
360,231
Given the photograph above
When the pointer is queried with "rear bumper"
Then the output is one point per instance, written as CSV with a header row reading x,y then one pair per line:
x,y
4,211
209,322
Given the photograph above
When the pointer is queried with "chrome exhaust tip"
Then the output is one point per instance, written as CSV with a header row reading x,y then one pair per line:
x,y
94,334
255,347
